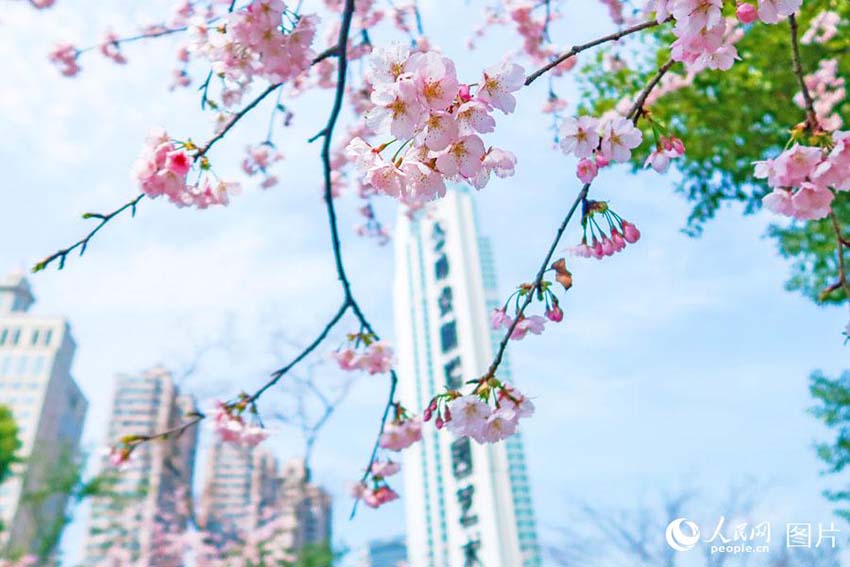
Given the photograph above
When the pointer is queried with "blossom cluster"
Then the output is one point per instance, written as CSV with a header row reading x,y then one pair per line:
x,y
489,414
801,177
598,142
364,352
402,431
256,41
607,240
231,426
435,123
520,324
374,490
828,91
666,149
704,37
163,167
258,159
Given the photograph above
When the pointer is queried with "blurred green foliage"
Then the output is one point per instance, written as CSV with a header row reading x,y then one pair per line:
x,y
832,396
728,120
9,442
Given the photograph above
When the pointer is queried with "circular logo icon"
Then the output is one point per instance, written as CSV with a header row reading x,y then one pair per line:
x,y
678,539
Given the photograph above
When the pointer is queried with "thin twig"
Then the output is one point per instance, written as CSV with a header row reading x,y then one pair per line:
x,y
83,243
634,114
811,116
842,269
575,50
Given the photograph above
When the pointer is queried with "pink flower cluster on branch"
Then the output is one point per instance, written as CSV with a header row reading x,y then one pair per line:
x,y
364,352
435,123
803,177
543,293
489,414
163,169
598,142
604,240
265,39
231,425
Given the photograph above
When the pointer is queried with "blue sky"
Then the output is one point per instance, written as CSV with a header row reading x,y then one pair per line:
x,y
682,362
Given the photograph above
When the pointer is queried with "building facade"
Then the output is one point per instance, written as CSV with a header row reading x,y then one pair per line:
x,y
151,503
466,504
241,485
248,500
36,353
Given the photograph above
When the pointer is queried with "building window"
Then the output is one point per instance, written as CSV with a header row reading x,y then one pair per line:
x,y
4,333
16,336
48,334
34,339
448,336
37,365
23,363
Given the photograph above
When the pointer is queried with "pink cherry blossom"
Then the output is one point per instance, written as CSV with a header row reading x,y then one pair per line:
x,y
587,170
746,13
384,468
64,56
468,416
499,425
580,136
436,79
619,138
462,157
534,324
498,83
772,11
400,435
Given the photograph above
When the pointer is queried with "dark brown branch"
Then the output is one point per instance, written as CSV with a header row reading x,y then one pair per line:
x,y
811,116
637,108
575,50
83,243
634,114
842,268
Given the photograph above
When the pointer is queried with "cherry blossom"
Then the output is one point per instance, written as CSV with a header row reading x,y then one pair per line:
x,y
435,123
402,432
488,414
64,56
365,353
231,427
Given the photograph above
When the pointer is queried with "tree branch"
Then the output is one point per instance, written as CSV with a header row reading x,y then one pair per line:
x,y
83,243
634,114
811,117
575,50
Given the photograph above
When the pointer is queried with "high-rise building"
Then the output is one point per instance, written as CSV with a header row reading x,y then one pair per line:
x,y
466,504
241,489
305,507
36,353
151,498
384,553
246,497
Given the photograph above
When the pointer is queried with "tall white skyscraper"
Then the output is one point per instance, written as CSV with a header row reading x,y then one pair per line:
x,y
35,381
467,504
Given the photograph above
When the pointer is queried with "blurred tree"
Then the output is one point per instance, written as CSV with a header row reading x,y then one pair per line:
x,y
755,101
9,442
833,398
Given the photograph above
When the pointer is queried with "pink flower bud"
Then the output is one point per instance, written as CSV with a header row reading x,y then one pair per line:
x,y
617,240
426,415
607,246
439,422
597,249
555,314
747,13
464,93
630,232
